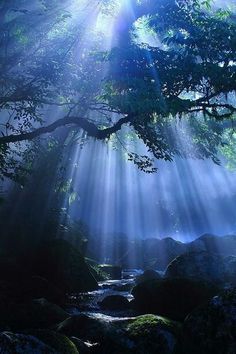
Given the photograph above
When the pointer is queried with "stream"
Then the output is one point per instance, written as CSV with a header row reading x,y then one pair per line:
x,y
88,303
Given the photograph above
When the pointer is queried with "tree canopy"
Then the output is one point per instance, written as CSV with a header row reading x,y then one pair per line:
x,y
48,65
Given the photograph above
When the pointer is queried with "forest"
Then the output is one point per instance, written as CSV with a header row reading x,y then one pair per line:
x,y
118,176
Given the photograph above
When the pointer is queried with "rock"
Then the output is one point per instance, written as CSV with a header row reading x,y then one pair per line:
x,y
96,271
44,314
173,298
155,253
83,327
22,343
211,329
113,271
198,265
151,253
114,302
38,313
64,266
153,334
230,269
59,342
106,338
27,289
148,274
84,347
123,287
148,334
37,287
225,245
12,270
163,251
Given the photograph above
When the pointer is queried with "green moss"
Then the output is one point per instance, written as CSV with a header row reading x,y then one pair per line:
x,y
146,324
96,271
57,341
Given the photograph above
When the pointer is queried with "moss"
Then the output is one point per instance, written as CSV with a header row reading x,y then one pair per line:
x,y
98,274
146,324
154,334
57,341
113,271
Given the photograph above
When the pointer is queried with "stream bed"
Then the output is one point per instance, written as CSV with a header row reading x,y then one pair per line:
x,y
88,303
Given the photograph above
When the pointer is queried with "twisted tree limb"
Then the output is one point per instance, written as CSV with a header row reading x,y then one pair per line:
x,y
90,128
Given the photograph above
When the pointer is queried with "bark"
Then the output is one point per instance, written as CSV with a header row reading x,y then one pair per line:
x,y
90,128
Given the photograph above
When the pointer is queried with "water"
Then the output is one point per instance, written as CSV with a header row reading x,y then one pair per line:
x,y
87,303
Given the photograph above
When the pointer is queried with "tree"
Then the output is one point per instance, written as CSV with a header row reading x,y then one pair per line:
x,y
190,75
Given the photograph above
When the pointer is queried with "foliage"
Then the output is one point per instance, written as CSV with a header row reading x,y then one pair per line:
x,y
51,70
228,150
40,208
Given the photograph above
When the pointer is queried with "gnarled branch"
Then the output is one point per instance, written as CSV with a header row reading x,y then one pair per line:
x,y
90,128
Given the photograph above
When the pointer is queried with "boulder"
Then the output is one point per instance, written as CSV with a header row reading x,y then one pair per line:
x,y
198,265
148,334
37,287
151,253
114,303
173,298
83,347
211,329
148,274
59,342
23,343
12,270
225,245
83,327
29,288
38,313
42,313
86,347
64,266
162,251
153,334
230,269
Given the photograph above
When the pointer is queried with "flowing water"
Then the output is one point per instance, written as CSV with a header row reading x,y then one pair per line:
x,y
88,303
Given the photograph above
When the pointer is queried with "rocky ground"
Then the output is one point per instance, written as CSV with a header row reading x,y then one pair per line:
x,y
58,303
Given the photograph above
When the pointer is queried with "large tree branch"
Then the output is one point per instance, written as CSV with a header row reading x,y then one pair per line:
x,y
90,128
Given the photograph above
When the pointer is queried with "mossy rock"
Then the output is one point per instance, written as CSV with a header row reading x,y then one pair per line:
x,y
63,264
154,334
57,341
211,329
83,327
173,298
84,347
113,271
23,343
147,334
146,324
38,313
106,337
199,265
96,271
